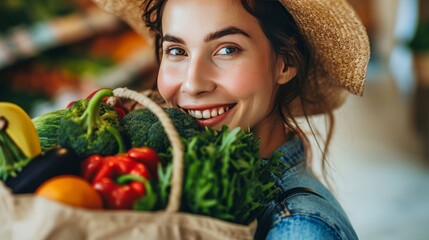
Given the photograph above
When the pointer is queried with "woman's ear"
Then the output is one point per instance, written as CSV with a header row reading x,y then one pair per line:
x,y
285,72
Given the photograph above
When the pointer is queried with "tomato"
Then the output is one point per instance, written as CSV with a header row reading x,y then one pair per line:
x,y
147,156
71,190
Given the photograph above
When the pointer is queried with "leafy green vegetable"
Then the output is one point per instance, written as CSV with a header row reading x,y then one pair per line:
x,y
224,176
91,127
143,128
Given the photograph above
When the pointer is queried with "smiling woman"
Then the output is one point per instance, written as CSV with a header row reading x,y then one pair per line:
x,y
260,65
226,64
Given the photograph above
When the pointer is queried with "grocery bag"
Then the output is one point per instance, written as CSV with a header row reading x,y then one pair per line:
x,y
27,216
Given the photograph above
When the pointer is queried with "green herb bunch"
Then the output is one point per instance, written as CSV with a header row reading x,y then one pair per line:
x,y
224,176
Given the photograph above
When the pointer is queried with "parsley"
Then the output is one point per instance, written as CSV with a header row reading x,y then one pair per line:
x,y
224,176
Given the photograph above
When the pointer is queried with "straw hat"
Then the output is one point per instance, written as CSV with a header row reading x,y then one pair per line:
x,y
335,34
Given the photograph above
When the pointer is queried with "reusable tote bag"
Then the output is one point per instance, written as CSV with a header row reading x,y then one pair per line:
x,y
27,216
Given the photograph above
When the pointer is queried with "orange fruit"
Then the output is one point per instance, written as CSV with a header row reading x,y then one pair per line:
x,y
71,190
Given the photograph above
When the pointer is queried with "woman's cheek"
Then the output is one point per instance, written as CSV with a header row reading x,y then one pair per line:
x,y
168,83
242,84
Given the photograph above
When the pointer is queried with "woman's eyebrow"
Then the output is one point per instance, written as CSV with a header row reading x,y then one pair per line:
x,y
224,32
170,38
210,37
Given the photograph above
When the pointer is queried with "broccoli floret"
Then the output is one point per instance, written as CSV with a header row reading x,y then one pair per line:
x,y
142,128
91,127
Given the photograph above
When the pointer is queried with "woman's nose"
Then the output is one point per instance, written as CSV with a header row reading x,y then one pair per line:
x,y
199,77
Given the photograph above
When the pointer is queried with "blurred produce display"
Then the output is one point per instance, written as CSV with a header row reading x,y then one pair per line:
x,y
17,12
54,49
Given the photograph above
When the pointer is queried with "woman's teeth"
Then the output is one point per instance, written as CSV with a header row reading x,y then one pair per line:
x,y
208,113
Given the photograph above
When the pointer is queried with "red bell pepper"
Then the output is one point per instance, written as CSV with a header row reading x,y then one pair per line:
x,y
91,165
119,179
147,156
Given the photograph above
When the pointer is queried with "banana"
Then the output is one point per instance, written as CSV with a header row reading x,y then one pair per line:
x,y
21,129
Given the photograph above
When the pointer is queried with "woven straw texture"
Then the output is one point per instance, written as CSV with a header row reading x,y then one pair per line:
x,y
335,33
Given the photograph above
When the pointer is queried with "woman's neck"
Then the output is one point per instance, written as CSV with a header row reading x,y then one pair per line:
x,y
273,134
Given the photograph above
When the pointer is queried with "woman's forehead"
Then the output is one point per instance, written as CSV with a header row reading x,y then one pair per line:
x,y
205,11
205,16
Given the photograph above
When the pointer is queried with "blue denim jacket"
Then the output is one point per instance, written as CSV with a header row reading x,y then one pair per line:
x,y
312,212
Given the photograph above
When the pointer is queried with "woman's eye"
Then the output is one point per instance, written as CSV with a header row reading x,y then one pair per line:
x,y
228,51
175,52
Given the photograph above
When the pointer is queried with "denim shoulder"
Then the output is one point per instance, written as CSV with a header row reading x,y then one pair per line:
x,y
309,215
304,208
301,226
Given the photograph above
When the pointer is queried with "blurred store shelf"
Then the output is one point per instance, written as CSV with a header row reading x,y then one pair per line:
x,y
63,51
24,41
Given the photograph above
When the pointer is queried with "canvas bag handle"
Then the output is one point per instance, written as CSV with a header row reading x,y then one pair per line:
x,y
173,204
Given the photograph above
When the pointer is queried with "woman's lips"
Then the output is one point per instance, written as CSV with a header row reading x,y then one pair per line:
x,y
210,116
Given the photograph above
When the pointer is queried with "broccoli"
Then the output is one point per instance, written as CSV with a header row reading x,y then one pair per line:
x,y
142,128
47,127
91,127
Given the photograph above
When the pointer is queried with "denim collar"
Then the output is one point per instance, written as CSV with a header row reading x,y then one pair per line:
x,y
292,151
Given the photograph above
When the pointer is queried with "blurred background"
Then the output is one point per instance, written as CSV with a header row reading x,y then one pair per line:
x,y
53,52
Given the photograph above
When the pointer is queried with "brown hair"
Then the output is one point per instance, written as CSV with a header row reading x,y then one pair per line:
x,y
287,41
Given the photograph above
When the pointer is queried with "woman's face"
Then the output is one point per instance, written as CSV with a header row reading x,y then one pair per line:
x,y
218,65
